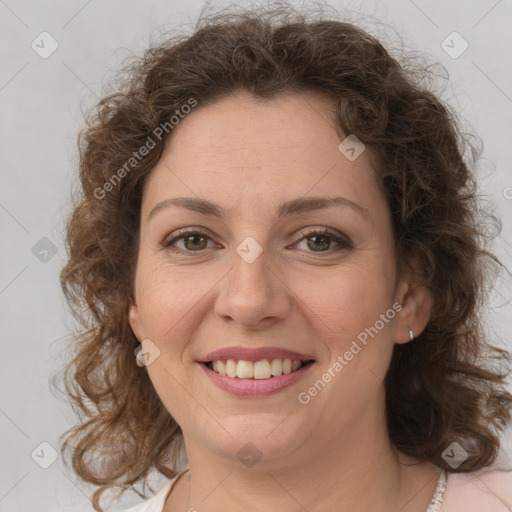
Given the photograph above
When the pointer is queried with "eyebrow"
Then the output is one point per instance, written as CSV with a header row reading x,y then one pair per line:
x,y
293,207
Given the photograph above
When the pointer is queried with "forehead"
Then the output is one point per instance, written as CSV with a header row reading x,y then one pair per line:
x,y
260,151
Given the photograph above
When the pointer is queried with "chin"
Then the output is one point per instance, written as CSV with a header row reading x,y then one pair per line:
x,y
252,439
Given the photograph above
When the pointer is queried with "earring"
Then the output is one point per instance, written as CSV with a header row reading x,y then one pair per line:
x,y
139,363
411,334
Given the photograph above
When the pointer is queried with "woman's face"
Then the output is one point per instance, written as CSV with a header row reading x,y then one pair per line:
x,y
259,280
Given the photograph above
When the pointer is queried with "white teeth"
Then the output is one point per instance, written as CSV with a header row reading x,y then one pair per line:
x,y
263,369
244,369
231,368
276,367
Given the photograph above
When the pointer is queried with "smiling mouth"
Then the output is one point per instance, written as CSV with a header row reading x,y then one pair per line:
x,y
264,369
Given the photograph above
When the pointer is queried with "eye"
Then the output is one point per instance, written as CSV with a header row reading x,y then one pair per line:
x,y
196,240
322,239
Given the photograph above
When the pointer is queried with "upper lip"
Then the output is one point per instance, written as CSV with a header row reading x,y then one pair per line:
x,y
253,354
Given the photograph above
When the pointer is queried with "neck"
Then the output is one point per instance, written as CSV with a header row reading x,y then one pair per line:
x,y
357,471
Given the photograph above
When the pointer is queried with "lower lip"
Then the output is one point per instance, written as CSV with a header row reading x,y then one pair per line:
x,y
256,387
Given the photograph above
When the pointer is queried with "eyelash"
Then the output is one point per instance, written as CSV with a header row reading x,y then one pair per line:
x,y
342,242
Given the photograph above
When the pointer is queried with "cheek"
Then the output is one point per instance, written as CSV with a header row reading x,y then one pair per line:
x,y
353,314
162,299
172,302
350,298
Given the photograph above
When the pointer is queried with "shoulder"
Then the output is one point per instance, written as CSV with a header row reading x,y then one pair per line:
x,y
156,502
478,491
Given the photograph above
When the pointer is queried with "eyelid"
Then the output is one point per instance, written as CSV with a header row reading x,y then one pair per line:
x,y
341,239
183,232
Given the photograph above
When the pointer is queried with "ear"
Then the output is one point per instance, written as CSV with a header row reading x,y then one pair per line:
x,y
134,320
416,301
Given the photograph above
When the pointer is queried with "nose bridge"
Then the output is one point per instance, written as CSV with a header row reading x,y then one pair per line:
x,y
252,271
252,291
253,262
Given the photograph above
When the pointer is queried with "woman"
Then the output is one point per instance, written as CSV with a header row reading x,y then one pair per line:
x,y
277,259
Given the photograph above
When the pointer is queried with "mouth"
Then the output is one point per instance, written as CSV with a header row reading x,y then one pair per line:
x,y
255,379
256,370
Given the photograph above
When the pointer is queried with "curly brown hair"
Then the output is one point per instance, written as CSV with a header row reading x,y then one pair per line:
x,y
443,387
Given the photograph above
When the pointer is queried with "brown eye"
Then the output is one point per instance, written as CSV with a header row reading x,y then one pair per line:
x,y
321,241
192,240
318,241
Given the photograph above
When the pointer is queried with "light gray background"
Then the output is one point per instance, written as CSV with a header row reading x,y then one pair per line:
x,y
41,102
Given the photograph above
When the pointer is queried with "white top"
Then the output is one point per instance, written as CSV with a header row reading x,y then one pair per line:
x,y
478,491
157,502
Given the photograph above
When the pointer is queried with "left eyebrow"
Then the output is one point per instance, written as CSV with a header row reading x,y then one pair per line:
x,y
293,207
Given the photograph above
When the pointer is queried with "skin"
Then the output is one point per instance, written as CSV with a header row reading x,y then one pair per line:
x,y
249,155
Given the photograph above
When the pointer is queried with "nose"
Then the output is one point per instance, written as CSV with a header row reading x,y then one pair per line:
x,y
253,293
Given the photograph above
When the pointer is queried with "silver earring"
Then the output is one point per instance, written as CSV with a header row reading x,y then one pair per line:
x,y
411,334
